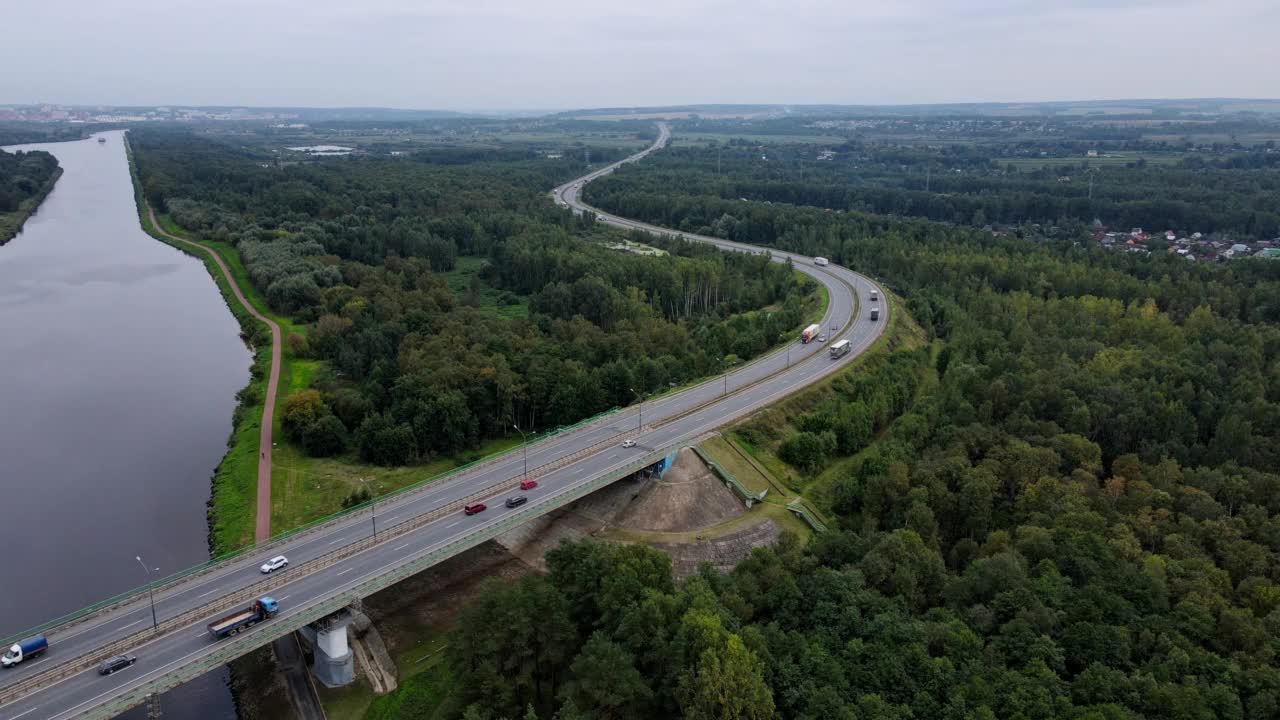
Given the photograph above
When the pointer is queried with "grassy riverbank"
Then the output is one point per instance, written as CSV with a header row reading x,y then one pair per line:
x,y
231,509
11,223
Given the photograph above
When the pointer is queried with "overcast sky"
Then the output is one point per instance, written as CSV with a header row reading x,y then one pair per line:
x,y
490,54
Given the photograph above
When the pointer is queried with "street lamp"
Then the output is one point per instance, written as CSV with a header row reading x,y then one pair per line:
x,y
524,439
151,592
725,364
640,422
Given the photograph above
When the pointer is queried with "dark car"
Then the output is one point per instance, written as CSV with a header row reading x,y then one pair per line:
x,y
112,664
473,508
516,501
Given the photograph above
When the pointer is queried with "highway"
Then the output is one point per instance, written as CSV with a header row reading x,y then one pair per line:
x,y
342,560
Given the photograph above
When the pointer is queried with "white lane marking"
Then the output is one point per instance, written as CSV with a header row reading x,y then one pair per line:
x,y
446,527
202,634
336,541
399,547
209,593
25,712
344,572
135,622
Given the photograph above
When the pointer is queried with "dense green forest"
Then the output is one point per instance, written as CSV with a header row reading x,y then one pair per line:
x,y
970,184
1079,519
25,178
359,249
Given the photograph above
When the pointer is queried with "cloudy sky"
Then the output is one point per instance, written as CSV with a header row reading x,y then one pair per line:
x,y
490,54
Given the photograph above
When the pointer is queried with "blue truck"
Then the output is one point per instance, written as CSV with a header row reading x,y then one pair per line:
x,y
31,647
263,608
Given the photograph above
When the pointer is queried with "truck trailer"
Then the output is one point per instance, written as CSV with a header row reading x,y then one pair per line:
x,y
264,608
810,333
27,649
840,349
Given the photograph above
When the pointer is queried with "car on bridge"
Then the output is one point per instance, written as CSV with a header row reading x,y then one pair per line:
x,y
528,484
113,664
473,508
516,501
276,563
628,443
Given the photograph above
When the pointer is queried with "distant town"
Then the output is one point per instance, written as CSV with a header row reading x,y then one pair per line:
x,y
1195,246
108,114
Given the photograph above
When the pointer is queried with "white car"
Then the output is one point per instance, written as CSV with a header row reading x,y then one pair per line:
x,y
275,563
822,338
628,443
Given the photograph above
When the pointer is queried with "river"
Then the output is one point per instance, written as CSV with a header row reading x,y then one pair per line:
x,y
120,367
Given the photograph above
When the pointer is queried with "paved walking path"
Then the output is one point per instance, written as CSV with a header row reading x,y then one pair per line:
x,y
262,526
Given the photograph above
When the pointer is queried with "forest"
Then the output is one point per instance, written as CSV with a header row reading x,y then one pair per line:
x,y
25,178
359,251
1231,193
1080,517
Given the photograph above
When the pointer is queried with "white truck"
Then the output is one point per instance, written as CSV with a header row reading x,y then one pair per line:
x,y
840,349
810,333
820,261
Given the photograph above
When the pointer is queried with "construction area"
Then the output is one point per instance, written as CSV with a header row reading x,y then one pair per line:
x,y
711,505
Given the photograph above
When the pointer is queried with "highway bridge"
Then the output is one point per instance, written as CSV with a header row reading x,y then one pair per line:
x,y
339,561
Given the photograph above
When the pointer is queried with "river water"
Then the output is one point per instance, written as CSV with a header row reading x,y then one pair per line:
x,y
119,365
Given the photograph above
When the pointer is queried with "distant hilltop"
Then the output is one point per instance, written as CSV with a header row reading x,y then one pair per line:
x,y
1163,109
1167,109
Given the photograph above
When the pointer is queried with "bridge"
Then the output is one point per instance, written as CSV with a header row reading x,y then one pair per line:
x,y
337,561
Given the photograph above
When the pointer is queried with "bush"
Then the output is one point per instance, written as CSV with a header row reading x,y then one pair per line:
x,y
325,437
808,451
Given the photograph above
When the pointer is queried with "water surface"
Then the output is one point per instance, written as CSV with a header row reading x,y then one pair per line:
x,y
119,365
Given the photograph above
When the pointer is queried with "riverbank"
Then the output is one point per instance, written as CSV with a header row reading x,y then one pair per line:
x,y
233,507
11,223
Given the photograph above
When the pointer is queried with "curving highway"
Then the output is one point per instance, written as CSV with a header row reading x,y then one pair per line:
x,y
361,552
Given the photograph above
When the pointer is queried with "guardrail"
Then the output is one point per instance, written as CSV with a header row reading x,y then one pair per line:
x,y
161,585
264,633
733,482
90,658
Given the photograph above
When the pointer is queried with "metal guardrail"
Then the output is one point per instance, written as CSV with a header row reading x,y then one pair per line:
x,y
728,477
802,511
165,584
90,658
264,633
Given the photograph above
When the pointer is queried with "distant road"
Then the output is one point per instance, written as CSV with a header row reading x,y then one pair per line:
x,y
262,524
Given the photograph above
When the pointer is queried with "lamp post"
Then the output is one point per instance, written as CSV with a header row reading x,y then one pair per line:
x,y
725,364
640,422
524,439
151,592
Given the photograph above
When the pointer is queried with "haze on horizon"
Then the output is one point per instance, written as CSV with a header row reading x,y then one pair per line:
x,y
473,54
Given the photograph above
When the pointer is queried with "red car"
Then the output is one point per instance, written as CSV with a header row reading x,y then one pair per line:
x,y
473,508
528,484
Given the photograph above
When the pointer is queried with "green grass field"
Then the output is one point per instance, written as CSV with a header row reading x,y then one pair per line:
x,y
459,280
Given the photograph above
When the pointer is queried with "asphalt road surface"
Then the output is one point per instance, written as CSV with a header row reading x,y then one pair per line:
x,y
668,421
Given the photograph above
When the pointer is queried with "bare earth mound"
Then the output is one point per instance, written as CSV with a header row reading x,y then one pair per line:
x,y
687,497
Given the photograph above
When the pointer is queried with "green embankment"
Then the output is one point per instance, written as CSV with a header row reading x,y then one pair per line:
x,y
901,335
11,223
233,503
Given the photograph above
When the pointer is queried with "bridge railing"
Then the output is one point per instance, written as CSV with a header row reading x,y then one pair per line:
x,y
161,585
262,634
88,659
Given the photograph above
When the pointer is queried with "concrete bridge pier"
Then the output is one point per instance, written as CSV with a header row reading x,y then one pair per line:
x,y
333,663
